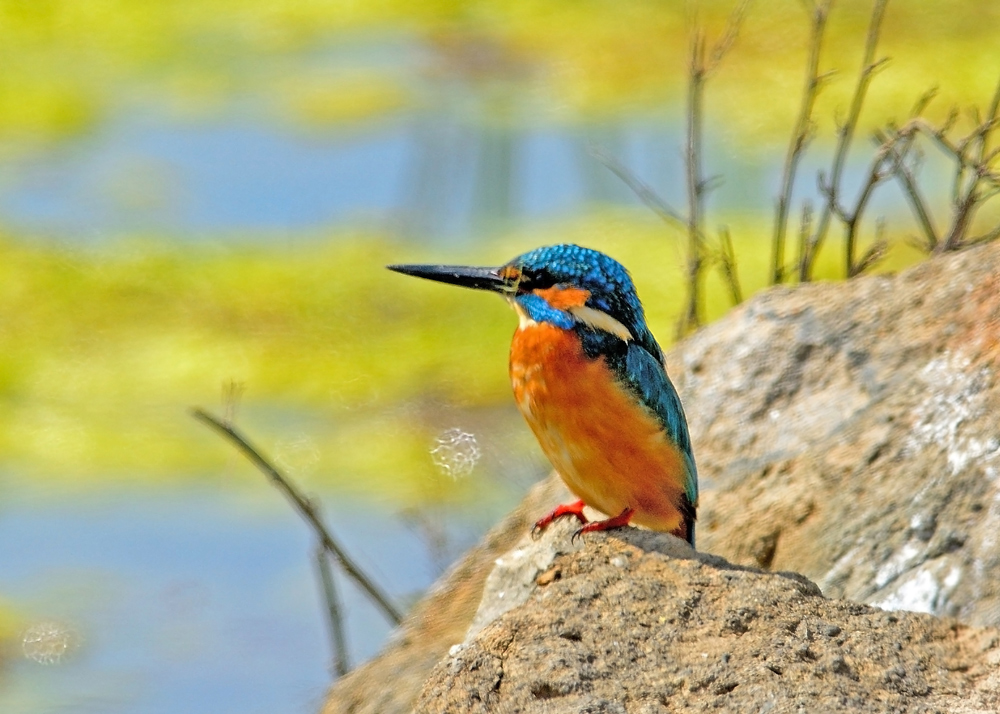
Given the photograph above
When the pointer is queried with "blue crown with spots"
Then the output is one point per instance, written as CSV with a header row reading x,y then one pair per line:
x,y
609,283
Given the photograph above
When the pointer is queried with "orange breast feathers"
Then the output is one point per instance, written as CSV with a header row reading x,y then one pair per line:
x,y
609,449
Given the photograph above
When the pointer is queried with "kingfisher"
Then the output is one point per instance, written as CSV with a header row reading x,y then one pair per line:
x,y
590,380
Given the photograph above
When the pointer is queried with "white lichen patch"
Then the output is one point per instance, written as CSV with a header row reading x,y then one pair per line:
x,y
926,589
898,564
841,569
954,399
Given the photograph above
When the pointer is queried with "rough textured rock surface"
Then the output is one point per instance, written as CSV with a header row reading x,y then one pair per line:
x,y
637,622
849,432
390,682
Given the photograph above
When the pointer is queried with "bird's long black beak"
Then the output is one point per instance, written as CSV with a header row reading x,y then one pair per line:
x,y
465,276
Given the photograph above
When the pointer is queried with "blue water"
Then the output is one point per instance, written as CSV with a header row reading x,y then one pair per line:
x,y
427,177
243,175
196,601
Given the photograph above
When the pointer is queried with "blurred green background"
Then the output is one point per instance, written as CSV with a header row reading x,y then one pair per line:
x,y
197,200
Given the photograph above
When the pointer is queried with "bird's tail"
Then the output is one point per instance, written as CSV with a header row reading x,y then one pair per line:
x,y
686,530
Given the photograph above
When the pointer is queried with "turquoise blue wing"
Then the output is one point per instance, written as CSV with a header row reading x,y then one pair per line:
x,y
638,366
645,376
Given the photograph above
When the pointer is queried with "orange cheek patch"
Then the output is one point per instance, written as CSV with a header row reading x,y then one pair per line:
x,y
564,298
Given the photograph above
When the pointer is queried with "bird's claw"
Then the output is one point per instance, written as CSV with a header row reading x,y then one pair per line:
x,y
619,521
571,509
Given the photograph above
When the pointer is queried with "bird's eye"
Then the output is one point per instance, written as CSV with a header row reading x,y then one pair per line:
x,y
539,279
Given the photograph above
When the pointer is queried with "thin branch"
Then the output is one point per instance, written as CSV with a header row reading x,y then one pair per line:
x,y
827,191
957,151
697,72
700,68
727,263
877,173
965,208
986,195
869,67
911,191
974,181
985,237
305,508
711,183
643,191
800,139
338,640
805,233
728,39
876,252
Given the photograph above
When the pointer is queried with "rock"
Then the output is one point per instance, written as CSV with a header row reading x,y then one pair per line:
x,y
390,682
639,622
849,432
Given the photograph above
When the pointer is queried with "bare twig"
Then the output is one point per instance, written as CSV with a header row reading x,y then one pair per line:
x,y
974,183
876,252
728,39
940,136
889,159
985,237
697,72
869,66
912,193
643,191
338,640
805,232
801,136
305,509
700,68
877,173
969,195
727,263
889,140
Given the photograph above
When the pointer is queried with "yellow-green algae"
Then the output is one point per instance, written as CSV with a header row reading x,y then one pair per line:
x,y
67,63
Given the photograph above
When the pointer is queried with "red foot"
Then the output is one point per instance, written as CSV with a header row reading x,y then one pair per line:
x,y
618,521
570,509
